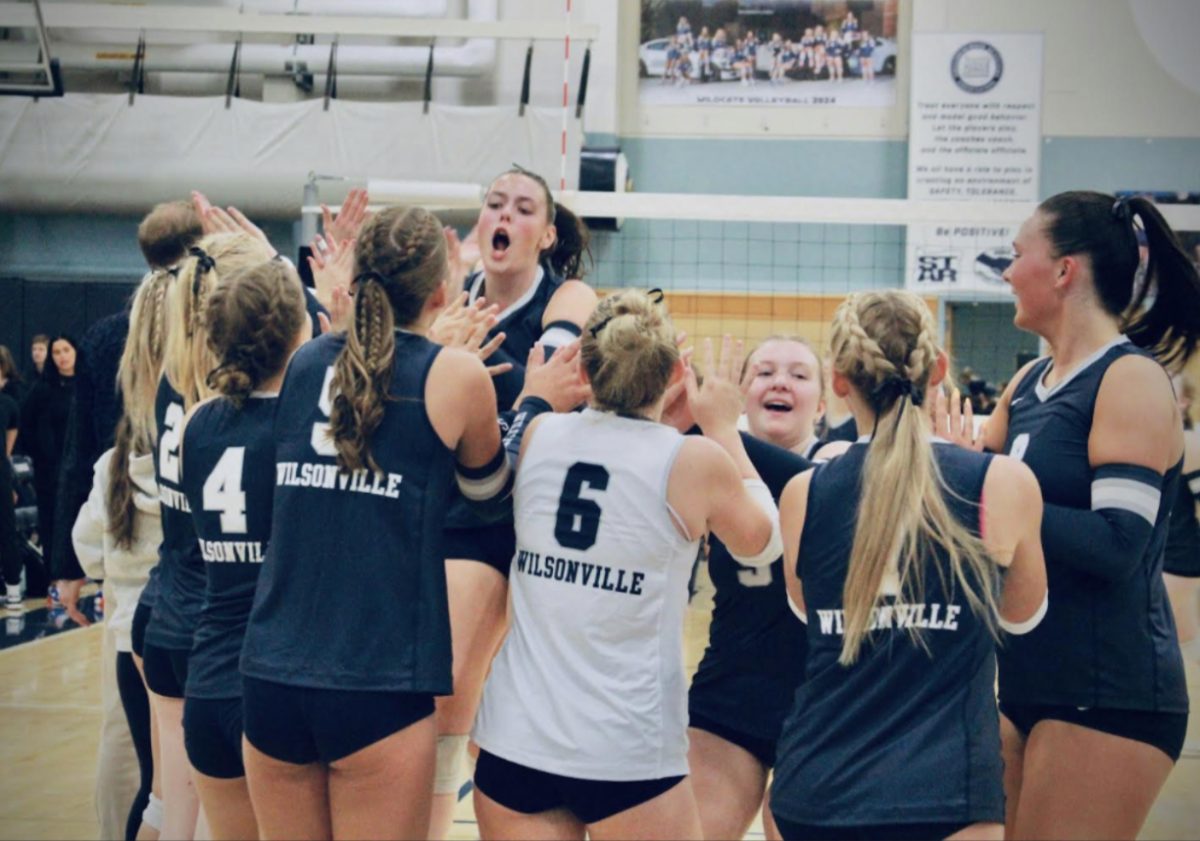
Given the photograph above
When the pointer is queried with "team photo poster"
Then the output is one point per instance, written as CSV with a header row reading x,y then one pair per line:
x,y
768,53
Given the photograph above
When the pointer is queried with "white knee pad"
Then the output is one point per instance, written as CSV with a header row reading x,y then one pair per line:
x,y
451,759
152,815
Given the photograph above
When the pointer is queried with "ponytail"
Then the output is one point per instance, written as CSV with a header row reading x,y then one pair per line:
x,y
362,376
883,342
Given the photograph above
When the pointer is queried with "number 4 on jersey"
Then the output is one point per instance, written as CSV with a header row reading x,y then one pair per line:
x,y
223,491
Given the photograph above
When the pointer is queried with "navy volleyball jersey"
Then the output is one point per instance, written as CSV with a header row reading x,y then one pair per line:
x,y
1102,644
229,479
361,550
1183,531
756,645
181,569
521,325
905,735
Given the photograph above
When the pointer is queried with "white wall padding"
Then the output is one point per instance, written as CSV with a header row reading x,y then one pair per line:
x,y
96,153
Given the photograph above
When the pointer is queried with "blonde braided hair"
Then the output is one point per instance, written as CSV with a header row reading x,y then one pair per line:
x,y
885,344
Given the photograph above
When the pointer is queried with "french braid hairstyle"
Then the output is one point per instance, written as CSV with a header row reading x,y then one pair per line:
x,y
137,378
885,344
189,359
254,317
400,261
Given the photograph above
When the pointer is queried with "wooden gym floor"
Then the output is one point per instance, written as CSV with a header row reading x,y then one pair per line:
x,y
50,722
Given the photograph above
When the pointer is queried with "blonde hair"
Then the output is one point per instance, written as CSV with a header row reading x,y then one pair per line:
x,y
628,351
885,344
253,318
137,378
188,358
401,260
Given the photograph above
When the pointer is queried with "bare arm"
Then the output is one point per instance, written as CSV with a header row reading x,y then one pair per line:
x,y
1012,534
793,507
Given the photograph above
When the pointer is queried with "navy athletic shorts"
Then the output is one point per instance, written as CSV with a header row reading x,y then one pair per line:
x,y
529,791
302,725
792,831
1165,731
137,633
166,671
212,734
761,749
493,545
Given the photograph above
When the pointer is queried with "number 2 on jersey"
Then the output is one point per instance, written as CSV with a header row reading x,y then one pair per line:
x,y
223,491
168,445
578,518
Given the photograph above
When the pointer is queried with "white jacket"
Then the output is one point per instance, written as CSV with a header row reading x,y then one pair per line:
x,y
124,571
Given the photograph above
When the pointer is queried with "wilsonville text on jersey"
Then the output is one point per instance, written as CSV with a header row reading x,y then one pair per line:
x,y
330,478
896,616
597,576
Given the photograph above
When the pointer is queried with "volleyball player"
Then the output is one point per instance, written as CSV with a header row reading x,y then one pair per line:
x,y
755,656
119,529
892,558
610,506
866,62
349,636
187,361
255,320
834,50
1095,701
523,251
1181,565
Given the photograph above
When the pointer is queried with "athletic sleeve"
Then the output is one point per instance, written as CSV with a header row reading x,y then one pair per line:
x,y
488,489
513,425
1108,541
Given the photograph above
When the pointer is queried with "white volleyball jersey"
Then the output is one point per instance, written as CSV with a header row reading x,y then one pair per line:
x,y
590,681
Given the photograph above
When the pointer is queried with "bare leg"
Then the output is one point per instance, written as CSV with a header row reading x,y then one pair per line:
x,y
478,597
728,783
980,832
385,790
1083,784
498,823
770,829
1012,750
290,801
673,814
181,805
226,805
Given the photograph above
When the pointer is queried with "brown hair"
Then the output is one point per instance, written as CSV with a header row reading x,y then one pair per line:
x,y
188,359
253,318
8,365
137,378
41,339
885,344
628,351
400,260
167,232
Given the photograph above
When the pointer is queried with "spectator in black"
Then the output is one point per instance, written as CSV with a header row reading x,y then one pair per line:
x,y
39,349
164,235
10,558
44,430
11,382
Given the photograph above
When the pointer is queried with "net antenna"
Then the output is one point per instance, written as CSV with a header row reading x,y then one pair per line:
x,y
40,75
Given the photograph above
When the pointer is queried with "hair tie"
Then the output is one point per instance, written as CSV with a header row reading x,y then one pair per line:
x,y
901,387
595,331
1121,211
204,263
366,277
656,295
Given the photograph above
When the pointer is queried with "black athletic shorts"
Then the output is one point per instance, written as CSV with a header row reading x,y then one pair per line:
x,y
493,545
302,725
792,831
166,671
141,618
212,734
1165,731
529,791
761,749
